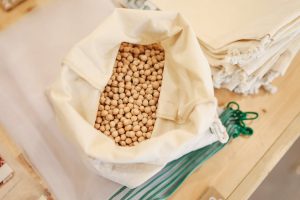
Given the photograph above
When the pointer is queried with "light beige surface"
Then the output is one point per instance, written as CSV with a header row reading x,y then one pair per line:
x,y
25,184
239,168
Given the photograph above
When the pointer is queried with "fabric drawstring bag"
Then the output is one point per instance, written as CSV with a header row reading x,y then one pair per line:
x,y
186,110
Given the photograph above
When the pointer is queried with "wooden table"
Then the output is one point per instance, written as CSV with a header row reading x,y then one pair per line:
x,y
237,170
26,182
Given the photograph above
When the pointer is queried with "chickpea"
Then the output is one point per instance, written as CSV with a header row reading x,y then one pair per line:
x,y
136,128
128,127
123,143
140,139
148,135
115,111
135,111
121,131
153,108
117,139
107,133
112,124
126,109
123,137
128,115
97,126
134,118
155,85
149,123
104,113
144,129
130,134
143,57
140,117
147,109
127,78
145,102
98,120
151,102
128,141
102,128
114,102
119,125
109,117
130,58
127,122
156,93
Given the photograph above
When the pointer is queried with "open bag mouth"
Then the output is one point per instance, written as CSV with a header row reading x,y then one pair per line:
x,y
186,105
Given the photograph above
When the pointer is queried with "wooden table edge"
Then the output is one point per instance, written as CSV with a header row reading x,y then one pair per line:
x,y
267,162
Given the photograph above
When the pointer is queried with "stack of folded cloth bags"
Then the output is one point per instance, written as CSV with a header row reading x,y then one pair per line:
x,y
247,43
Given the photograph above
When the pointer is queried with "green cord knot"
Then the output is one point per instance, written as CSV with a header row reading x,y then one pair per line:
x,y
233,119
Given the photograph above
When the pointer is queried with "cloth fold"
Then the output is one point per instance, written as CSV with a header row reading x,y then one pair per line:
x,y
186,106
247,43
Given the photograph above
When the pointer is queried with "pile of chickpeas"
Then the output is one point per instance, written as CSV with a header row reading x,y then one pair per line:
x,y
128,103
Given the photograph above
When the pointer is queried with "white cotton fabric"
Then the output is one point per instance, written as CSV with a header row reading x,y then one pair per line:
x,y
241,39
186,107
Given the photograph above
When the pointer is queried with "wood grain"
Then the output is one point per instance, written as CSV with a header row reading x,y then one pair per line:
x,y
232,168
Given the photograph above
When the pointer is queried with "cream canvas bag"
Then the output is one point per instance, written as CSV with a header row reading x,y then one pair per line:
x,y
186,106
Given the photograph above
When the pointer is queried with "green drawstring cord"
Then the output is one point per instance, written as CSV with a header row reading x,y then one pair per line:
x,y
233,119
177,171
